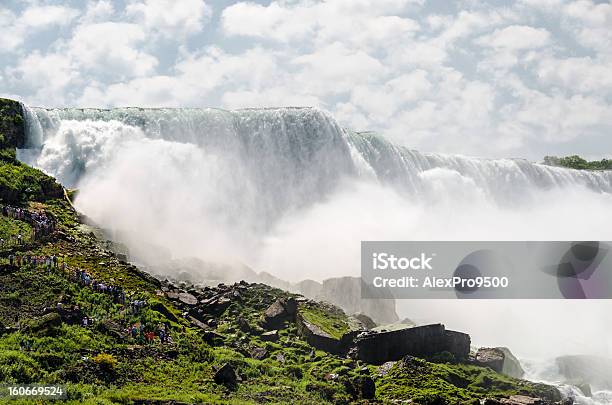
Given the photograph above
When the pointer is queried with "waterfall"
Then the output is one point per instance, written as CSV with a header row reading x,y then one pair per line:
x,y
290,191
291,147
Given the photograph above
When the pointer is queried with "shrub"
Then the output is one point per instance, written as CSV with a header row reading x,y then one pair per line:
x,y
106,362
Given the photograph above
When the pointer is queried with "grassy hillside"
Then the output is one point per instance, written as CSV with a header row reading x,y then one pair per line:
x,y
73,313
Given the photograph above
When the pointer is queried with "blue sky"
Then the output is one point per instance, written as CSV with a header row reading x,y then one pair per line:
x,y
525,78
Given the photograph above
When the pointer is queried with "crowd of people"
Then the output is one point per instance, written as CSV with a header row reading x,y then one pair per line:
x,y
49,262
41,223
86,279
141,332
145,333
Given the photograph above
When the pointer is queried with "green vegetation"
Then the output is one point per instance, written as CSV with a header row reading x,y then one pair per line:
x,y
20,183
11,228
576,162
103,362
330,319
12,131
429,383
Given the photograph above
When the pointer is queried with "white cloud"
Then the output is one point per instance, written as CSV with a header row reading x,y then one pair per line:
x,y
170,18
98,11
581,75
355,21
16,28
516,37
472,77
591,23
47,75
111,48
42,16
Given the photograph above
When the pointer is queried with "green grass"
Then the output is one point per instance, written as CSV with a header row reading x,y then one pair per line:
x,y
10,227
331,320
20,183
427,383
98,367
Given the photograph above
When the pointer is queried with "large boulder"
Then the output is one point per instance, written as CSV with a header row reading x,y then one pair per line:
x,y
593,370
499,359
279,312
326,327
420,341
367,322
316,336
226,375
345,292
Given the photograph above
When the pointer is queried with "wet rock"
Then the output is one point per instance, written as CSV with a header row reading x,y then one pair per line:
x,y
212,338
378,348
111,328
365,386
317,337
197,323
243,324
259,353
594,370
162,309
270,336
277,313
385,368
226,375
187,298
367,322
490,357
523,400
173,295
501,360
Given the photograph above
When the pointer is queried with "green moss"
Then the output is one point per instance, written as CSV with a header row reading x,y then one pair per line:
x,y
20,183
42,351
10,227
331,320
427,383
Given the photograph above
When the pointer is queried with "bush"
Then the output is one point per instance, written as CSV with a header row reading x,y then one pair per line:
x,y
106,362
17,367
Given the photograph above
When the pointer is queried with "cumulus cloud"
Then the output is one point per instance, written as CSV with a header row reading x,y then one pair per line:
x,y
170,18
516,37
474,77
17,27
111,48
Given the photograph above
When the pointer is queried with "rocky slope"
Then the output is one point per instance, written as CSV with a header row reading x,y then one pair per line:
x,y
74,312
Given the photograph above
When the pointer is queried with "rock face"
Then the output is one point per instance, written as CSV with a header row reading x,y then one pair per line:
x,y
378,348
12,124
499,359
317,337
326,327
345,292
523,400
490,357
365,320
280,311
512,365
593,370
226,376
